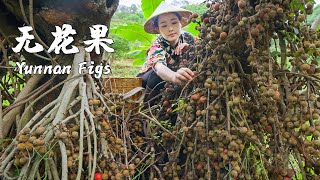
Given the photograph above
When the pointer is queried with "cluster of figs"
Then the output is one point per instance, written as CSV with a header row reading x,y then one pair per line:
x,y
252,111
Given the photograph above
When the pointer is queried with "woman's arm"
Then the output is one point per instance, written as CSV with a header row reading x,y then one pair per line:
x,y
181,76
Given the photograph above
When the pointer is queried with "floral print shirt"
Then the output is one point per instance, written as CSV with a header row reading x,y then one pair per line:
x,y
162,52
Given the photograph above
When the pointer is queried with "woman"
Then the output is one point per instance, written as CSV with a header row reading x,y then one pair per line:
x,y
167,20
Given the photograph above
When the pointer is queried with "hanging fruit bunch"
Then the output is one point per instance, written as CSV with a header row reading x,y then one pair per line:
x,y
110,144
252,111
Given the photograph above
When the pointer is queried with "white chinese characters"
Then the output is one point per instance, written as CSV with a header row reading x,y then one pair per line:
x,y
24,41
63,39
97,32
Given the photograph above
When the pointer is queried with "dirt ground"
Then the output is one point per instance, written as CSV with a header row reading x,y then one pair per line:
x,y
124,68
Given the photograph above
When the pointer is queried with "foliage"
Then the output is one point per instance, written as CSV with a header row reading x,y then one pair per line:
x,y
148,7
191,28
139,41
196,8
132,9
121,46
10,85
129,26
127,17
132,32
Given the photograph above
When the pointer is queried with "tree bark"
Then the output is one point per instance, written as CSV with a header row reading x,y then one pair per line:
x,y
43,16
47,14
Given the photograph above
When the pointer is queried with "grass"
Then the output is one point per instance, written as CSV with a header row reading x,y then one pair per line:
x,y
124,68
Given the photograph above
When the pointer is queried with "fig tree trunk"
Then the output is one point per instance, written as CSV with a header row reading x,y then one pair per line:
x,y
36,107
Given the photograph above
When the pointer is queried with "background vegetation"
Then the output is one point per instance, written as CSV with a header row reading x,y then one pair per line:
x,y
131,41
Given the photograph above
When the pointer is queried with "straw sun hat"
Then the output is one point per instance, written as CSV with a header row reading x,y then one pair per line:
x,y
163,8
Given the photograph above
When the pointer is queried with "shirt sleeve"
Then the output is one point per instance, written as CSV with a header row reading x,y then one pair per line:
x,y
190,38
156,55
195,39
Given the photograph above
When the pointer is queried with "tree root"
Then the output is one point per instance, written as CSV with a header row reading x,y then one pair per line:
x,y
58,118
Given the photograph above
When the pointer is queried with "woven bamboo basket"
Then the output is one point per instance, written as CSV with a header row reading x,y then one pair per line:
x,y
121,85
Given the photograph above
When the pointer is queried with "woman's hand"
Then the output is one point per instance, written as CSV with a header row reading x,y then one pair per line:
x,y
182,76
181,48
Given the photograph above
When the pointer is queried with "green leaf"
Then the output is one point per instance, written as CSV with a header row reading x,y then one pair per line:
x,y
291,14
309,137
148,7
139,56
191,28
5,103
143,46
138,62
135,53
138,53
293,36
12,63
297,4
177,109
275,53
132,32
311,51
181,102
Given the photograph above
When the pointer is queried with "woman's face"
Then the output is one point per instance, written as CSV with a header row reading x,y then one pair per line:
x,y
169,27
